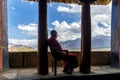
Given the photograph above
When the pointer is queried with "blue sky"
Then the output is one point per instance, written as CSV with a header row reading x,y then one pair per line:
x,y
65,18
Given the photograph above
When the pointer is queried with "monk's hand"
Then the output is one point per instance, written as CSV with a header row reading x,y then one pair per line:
x,y
65,52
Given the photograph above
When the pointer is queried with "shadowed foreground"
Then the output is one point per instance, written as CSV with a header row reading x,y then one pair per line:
x,y
97,73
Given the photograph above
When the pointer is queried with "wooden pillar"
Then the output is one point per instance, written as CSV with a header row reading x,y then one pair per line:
x,y
4,56
42,38
85,61
115,35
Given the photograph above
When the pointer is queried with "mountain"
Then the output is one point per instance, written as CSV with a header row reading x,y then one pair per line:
x,y
99,42
15,48
71,44
96,43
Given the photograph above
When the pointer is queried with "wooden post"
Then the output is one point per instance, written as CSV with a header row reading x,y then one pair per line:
x,y
42,39
115,33
85,61
4,55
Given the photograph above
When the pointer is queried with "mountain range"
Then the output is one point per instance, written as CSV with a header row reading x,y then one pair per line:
x,y
96,43
99,42
15,48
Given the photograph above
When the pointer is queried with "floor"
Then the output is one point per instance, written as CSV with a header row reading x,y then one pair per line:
x,y
31,74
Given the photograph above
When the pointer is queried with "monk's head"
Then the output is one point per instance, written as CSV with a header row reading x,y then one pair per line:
x,y
54,33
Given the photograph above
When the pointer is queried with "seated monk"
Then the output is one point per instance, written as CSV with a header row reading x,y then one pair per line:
x,y
68,59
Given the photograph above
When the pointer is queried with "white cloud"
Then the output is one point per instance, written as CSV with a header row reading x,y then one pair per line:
x,y
30,29
99,14
70,8
67,31
13,8
75,8
24,0
31,2
27,42
98,31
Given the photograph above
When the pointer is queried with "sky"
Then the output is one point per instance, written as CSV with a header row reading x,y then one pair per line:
x,y
65,18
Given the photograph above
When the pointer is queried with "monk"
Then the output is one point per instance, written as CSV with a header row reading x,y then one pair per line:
x,y
69,60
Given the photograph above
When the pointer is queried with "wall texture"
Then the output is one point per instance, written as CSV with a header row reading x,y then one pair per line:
x,y
29,59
